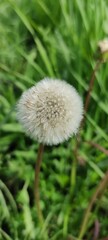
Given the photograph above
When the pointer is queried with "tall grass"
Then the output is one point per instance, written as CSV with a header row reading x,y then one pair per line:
x,y
57,39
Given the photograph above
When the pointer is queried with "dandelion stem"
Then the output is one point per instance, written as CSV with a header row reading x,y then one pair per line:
x,y
36,189
78,141
91,84
98,194
87,101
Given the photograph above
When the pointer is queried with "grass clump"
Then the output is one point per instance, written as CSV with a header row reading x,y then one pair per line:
x,y
38,39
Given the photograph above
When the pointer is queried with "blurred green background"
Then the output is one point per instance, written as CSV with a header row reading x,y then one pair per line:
x,y
40,38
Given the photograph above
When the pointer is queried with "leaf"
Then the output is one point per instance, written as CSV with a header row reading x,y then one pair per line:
x,y
22,16
44,57
97,129
11,127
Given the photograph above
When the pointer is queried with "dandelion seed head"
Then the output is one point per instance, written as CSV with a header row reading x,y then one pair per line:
x,y
103,49
50,111
103,45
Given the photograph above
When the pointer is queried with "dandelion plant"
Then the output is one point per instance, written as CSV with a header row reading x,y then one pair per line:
x,y
50,112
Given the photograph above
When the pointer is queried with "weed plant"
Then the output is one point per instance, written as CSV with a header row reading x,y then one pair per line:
x,y
57,39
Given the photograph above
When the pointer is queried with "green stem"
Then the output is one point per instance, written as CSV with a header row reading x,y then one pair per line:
x,y
73,175
36,189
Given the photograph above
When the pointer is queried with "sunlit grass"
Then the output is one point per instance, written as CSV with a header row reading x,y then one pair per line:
x,y
57,39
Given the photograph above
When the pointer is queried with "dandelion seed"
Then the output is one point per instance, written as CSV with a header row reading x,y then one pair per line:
x,y
103,48
50,111
103,45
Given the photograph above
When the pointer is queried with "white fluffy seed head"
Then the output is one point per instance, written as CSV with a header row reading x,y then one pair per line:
x,y
103,45
50,111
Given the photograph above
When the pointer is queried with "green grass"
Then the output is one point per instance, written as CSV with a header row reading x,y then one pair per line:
x,y
59,39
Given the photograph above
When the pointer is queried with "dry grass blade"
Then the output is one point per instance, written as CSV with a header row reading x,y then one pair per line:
x,y
98,194
96,145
